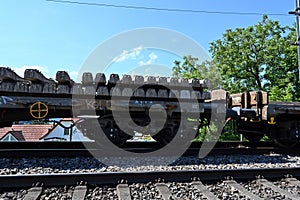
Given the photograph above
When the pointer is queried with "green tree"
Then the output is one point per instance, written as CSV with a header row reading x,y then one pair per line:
x,y
277,94
191,68
259,57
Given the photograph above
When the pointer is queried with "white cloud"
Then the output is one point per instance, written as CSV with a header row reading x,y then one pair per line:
x,y
152,57
152,70
126,55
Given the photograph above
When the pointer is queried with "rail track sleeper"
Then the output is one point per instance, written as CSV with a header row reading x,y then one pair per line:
x,y
123,192
242,190
79,193
204,190
293,181
33,193
164,191
277,189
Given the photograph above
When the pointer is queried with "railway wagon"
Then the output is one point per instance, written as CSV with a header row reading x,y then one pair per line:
x,y
122,106
256,117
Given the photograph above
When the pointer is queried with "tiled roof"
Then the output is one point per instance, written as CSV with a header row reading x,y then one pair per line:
x,y
4,131
18,135
31,132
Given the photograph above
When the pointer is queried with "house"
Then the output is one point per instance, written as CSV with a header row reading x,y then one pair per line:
x,y
13,136
60,133
24,132
43,132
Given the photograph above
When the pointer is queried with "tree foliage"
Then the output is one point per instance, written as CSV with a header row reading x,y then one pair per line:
x,y
259,57
191,68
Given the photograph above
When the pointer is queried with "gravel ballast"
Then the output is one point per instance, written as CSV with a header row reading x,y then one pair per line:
x,y
128,164
186,191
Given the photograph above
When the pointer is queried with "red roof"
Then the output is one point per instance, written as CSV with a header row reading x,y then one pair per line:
x,y
18,135
31,132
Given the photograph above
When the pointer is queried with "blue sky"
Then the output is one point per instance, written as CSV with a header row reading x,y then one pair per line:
x,y
58,36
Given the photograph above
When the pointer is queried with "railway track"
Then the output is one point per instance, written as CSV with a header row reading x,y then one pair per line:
x,y
273,183
250,182
67,149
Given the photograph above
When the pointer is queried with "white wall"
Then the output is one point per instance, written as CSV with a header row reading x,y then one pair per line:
x,y
58,132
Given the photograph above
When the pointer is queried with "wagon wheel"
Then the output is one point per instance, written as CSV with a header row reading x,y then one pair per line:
x,y
112,131
277,134
165,136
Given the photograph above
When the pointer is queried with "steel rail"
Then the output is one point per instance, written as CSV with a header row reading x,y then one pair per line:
x,y
68,149
127,145
9,181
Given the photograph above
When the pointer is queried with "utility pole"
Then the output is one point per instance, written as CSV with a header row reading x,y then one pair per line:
x,y
297,14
